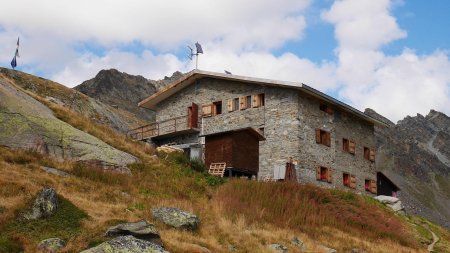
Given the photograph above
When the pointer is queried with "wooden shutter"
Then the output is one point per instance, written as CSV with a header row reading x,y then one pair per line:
x,y
329,176
372,155
352,181
243,103
207,110
318,140
373,186
230,105
351,147
318,173
256,101
328,139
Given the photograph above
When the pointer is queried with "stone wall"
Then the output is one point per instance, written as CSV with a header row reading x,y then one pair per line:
x,y
341,125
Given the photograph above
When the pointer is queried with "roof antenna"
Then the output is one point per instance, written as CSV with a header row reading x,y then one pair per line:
x,y
199,51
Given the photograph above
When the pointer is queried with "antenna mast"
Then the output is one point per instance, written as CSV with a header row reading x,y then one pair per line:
x,y
199,50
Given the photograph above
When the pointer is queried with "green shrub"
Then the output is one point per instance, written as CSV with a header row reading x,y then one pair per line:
x,y
197,165
213,180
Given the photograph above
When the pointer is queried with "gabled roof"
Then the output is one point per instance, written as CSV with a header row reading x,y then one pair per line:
x,y
194,75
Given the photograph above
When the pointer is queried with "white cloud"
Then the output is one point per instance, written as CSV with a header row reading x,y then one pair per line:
x,y
394,86
238,36
261,24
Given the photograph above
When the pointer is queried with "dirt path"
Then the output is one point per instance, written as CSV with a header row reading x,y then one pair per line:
x,y
435,240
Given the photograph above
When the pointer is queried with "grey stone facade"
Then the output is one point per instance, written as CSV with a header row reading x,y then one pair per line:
x,y
289,119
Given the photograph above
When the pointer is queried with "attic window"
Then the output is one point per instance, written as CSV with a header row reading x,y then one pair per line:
x,y
323,137
348,146
217,108
326,108
369,154
258,100
370,186
323,174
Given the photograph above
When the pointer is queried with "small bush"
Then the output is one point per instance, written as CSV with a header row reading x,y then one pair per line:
x,y
197,165
213,180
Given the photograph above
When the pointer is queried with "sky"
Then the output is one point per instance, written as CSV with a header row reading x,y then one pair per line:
x,y
388,55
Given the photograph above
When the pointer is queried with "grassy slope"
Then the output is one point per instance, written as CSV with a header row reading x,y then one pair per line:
x,y
249,215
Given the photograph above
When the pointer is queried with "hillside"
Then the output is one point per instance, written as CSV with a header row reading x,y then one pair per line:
x,y
414,153
123,90
56,93
235,215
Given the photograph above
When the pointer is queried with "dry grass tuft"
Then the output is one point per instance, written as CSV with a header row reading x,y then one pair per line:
x,y
310,208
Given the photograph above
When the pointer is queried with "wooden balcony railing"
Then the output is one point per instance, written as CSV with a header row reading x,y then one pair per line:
x,y
160,128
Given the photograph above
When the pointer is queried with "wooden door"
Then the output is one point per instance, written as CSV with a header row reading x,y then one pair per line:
x,y
193,116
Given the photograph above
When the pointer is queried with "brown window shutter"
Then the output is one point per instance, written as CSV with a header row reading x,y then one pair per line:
x,y
351,147
329,176
318,140
372,155
242,103
353,182
373,187
318,173
230,105
328,139
207,110
256,101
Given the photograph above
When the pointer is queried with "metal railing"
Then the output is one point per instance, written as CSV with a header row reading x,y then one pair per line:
x,y
160,128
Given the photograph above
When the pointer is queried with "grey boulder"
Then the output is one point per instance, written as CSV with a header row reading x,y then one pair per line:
x,y
51,245
141,230
45,205
392,202
176,218
126,244
278,248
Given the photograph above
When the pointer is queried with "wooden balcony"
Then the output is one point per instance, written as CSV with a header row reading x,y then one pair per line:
x,y
167,128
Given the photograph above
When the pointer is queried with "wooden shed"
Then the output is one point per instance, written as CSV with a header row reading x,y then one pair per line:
x,y
239,149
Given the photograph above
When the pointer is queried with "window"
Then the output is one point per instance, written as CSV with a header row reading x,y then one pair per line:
x,y
326,108
369,154
349,180
207,110
323,137
323,174
248,101
370,186
348,146
236,104
258,100
217,108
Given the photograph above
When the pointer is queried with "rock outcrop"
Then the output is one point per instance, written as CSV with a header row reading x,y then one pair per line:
x,y
124,91
415,155
51,245
45,205
56,93
28,124
176,218
141,230
126,244
278,248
